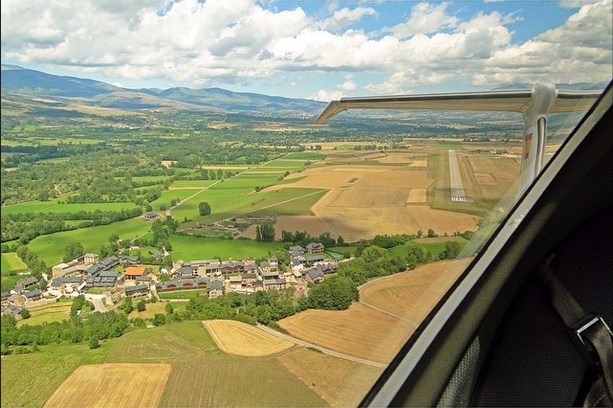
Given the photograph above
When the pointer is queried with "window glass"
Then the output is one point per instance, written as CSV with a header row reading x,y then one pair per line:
x,y
177,220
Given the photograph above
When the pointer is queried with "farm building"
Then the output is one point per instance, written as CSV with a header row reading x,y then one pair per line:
x,y
134,272
25,284
150,215
136,291
314,248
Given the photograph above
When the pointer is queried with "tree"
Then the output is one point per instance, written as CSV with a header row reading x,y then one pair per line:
x,y
169,308
204,208
334,293
73,250
431,233
451,251
140,306
93,342
159,319
25,313
127,305
265,232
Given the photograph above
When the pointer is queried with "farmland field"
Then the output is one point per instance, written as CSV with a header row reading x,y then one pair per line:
x,y
28,380
51,312
322,372
358,331
200,372
364,330
157,307
242,339
168,195
413,294
50,248
12,262
105,385
183,294
187,247
178,184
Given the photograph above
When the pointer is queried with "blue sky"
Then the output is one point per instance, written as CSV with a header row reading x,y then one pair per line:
x,y
313,49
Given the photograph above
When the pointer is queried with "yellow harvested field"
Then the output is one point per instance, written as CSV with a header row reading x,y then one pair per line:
x,y
366,200
242,339
112,385
389,310
413,294
355,223
489,177
419,163
358,331
396,158
417,195
371,196
322,372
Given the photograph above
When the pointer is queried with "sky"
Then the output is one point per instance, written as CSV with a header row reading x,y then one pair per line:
x,y
313,49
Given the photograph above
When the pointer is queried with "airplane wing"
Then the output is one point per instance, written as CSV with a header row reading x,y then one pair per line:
x,y
500,101
534,104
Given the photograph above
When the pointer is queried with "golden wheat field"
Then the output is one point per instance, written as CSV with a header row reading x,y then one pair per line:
x,y
241,339
389,310
112,385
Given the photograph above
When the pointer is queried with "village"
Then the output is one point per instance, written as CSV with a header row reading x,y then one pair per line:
x,y
117,277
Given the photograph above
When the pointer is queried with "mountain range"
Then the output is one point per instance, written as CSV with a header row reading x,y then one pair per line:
x,y
18,81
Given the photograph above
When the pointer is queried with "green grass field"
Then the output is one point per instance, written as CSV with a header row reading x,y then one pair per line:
x,y
183,294
8,281
288,201
188,248
204,376
168,195
51,312
12,262
305,156
11,265
50,248
192,183
28,380
284,165
226,198
54,207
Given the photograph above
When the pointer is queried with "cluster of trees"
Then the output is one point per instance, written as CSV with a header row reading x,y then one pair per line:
x,y
373,262
205,174
76,330
265,232
36,265
303,238
33,153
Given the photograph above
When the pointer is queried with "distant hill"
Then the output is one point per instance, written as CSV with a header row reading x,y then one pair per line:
x,y
582,86
18,80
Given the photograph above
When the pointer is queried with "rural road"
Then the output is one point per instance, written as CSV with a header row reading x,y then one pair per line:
x,y
97,301
322,349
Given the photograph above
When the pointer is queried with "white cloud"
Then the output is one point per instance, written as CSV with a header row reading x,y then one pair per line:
x,y
326,96
345,17
425,18
578,51
194,43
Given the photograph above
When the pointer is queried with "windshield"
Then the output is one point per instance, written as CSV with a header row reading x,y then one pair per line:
x,y
257,203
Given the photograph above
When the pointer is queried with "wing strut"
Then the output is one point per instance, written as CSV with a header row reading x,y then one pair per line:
x,y
534,104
